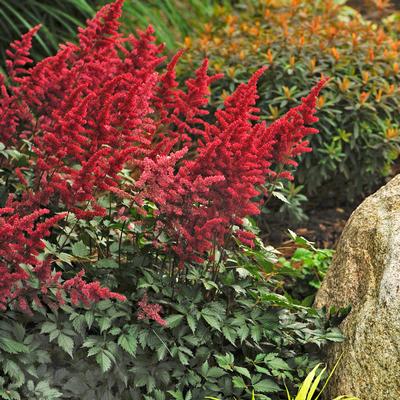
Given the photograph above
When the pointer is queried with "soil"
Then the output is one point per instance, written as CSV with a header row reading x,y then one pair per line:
x,y
324,227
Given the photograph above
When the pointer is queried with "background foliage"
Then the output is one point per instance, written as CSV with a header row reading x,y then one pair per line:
x,y
300,40
174,20
59,19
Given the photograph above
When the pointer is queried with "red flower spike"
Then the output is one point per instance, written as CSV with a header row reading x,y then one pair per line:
x,y
18,54
150,311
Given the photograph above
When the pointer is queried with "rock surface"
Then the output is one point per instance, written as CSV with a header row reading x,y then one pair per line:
x,y
366,274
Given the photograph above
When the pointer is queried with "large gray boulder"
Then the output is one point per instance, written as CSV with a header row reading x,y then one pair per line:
x,y
366,274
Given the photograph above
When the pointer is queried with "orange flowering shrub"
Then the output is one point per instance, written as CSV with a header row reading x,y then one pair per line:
x,y
300,40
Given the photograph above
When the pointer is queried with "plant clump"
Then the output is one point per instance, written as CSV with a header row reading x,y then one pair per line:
x,y
119,184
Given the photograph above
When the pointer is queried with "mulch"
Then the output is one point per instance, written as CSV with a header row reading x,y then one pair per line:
x,y
324,227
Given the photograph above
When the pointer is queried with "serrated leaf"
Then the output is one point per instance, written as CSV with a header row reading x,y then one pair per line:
x,y
191,322
278,364
66,343
243,332
188,395
79,323
238,382
192,339
229,334
48,327
47,393
243,371
215,372
53,335
177,395
80,249
158,395
204,369
183,358
103,360
128,343
256,333
266,386
15,372
89,318
225,361
174,320
143,335
93,351
12,347
212,321
19,331
104,324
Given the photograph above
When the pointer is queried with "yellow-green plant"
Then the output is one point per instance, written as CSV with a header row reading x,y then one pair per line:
x,y
308,389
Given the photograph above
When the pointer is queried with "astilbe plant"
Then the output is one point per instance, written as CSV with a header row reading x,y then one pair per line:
x,y
106,106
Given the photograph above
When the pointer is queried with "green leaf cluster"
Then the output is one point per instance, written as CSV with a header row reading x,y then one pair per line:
x,y
225,341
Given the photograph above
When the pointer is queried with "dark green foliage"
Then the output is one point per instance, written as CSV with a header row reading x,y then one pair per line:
x,y
223,338
59,19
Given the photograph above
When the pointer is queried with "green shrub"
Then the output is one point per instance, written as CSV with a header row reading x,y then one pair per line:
x,y
300,40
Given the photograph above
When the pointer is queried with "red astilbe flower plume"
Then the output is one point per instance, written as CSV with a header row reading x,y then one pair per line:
x,y
215,189
87,112
20,244
102,31
150,311
18,54
91,110
87,293
291,130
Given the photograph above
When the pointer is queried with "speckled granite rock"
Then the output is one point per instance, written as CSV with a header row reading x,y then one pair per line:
x,y
366,274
